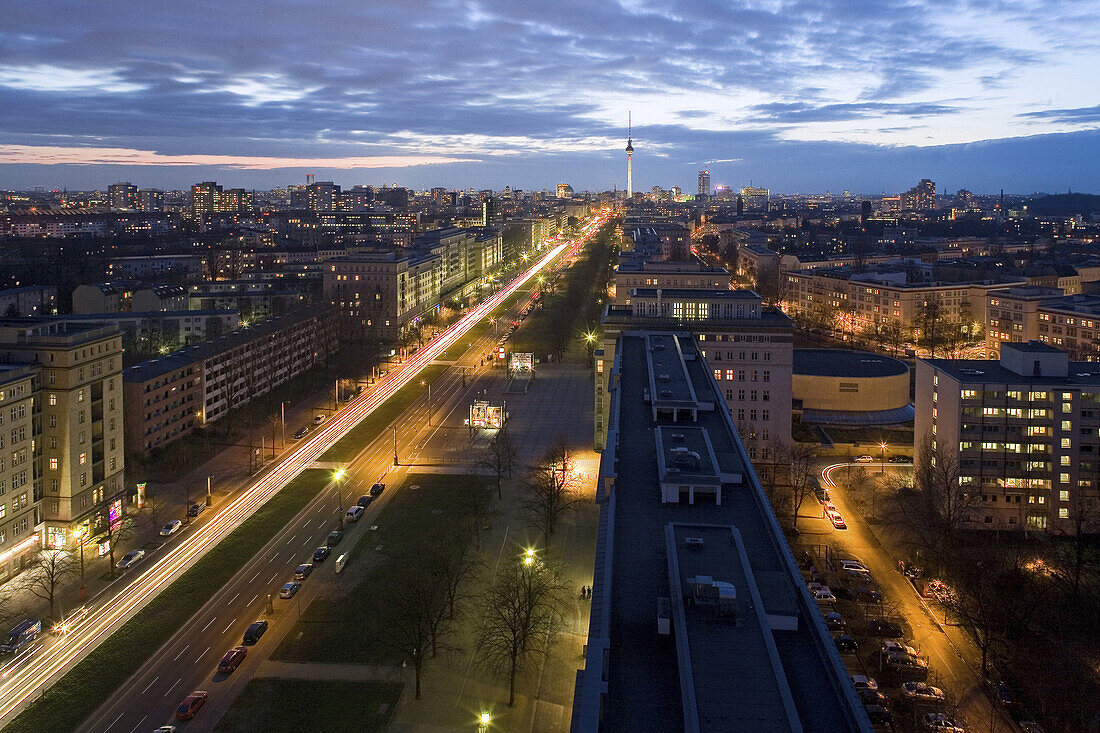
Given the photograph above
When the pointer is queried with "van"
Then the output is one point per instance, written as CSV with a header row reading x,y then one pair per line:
x,y
21,635
354,513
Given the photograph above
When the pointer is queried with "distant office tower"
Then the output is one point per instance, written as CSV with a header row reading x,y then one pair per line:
x,y
204,198
123,195
921,197
755,198
565,191
965,198
490,212
704,182
629,157
358,198
233,199
150,199
865,210
323,196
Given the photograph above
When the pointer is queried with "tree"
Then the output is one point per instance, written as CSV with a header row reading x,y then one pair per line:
x,y
519,617
10,606
154,511
551,490
115,532
802,475
500,458
47,572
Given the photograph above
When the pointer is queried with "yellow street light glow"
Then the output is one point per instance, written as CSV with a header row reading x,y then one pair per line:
x,y
485,718
340,473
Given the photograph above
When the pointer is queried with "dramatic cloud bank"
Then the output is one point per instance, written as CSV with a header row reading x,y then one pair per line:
x,y
790,93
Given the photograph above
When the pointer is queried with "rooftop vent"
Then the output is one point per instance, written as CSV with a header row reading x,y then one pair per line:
x,y
679,437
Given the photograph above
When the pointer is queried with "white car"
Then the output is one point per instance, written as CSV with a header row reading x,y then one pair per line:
x,y
319,419
130,559
940,723
823,596
853,565
894,647
863,459
922,692
171,528
863,682
354,513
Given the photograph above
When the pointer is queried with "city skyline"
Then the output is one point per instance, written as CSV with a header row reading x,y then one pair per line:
x,y
833,95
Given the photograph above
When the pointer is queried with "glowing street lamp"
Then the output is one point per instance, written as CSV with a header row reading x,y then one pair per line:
x,y
338,475
529,557
882,462
483,721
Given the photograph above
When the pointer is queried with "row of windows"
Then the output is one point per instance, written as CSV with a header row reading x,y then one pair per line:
x,y
738,375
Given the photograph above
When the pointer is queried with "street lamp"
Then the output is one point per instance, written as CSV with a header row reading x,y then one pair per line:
x,y
81,533
882,463
529,557
339,476
483,721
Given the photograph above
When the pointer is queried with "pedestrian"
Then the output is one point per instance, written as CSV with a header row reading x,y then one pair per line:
x,y
582,592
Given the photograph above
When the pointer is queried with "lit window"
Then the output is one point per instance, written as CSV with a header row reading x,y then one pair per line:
x,y
53,464
83,458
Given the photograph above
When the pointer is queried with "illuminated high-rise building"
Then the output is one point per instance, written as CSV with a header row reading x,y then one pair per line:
x,y
123,195
704,182
565,191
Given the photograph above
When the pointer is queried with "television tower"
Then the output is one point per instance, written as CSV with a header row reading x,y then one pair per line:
x,y
629,155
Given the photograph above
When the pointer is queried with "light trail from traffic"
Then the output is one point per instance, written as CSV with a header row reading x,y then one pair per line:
x,y
24,680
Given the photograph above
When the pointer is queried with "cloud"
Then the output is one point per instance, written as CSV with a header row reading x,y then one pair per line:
x,y
1077,114
49,78
57,155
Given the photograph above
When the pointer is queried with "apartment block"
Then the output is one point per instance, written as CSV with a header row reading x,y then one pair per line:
x,y
748,347
1025,432
78,422
20,494
633,272
163,399
1069,322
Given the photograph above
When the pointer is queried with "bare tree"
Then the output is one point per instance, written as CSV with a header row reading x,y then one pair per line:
x,y
802,475
551,490
417,600
154,511
10,606
47,573
500,458
519,618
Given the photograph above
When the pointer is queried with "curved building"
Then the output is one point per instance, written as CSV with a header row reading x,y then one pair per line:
x,y
843,387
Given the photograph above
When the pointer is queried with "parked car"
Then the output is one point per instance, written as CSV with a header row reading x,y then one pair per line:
x,y
846,644
365,500
301,433
837,520
862,576
131,558
906,664
823,596
863,459
165,729
863,682
869,595
922,692
901,459
354,514
191,705
302,571
882,627
879,714
1000,693
71,621
289,589
940,723
835,622
171,528
335,537
321,553
196,509
232,659
868,696
253,633
815,586
1030,726
377,489
853,565
822,494
896,647
319,419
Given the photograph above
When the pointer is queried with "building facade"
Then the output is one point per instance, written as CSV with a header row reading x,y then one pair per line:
x,y
1020,435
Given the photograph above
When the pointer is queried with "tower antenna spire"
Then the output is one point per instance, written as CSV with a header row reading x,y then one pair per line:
x,y
629,155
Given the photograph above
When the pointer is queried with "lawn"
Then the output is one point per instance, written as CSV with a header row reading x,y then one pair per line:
x,y
77,695
269,704
351,628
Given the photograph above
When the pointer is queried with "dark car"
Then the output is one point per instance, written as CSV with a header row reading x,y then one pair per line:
x,y
334,538
871,697
884,628
867,594
365,500
377,489
191,705
321,553
232,659
301,433
1000,693
878,713
846,643
821,494
196,509
302,571
901,459
253,633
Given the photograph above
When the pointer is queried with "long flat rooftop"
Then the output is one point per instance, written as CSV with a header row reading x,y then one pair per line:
x,y
634,677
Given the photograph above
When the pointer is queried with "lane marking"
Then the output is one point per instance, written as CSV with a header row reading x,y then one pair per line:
x,y
233,599
181,651
143,717
150,684
227,628
204,651
204,628
173,687
253,577
253,599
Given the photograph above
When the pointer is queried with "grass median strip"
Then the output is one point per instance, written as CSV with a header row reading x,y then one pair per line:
x,y
333,706
83,688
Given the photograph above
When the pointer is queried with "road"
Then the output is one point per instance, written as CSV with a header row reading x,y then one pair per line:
x,y
188,661
950,670
52,658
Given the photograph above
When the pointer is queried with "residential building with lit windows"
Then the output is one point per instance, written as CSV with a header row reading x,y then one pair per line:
x,y
748,347
644,273
1025,430
78,441
1070,322
20,496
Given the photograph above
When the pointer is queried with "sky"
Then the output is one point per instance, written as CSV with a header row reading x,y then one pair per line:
x,y
796,95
